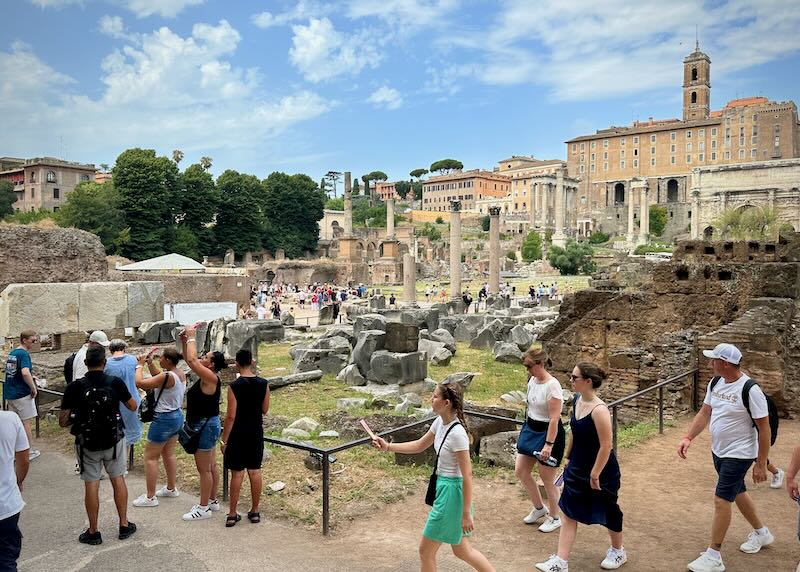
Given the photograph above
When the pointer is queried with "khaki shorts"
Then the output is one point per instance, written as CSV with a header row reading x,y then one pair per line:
x,y
94,461
25,407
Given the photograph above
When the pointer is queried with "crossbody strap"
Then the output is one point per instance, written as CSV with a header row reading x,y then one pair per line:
x,y
161,391
436,462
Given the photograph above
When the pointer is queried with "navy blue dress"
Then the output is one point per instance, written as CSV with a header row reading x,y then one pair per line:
x,y
579,501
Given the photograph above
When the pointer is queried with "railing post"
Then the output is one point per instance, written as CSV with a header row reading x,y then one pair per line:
x,y
661,410
614,426
326,482
224,480
695,378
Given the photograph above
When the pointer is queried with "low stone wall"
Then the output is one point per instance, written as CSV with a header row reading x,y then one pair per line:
x,y
78,307
188,288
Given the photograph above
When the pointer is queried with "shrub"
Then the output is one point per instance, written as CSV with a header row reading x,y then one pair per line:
x,y
439,220
532,247
511,255
574,258
485,223
599,238
645,248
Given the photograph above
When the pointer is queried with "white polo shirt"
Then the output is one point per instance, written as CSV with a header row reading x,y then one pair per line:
x,y
12,441
732,432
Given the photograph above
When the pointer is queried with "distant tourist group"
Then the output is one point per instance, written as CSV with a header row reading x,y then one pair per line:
x,y
104,408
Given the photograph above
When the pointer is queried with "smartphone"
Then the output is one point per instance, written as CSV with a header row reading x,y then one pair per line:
x,y
367,428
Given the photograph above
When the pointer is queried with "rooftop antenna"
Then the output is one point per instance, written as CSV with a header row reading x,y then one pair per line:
x,y
696,39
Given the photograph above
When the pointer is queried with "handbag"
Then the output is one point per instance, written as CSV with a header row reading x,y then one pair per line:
x,y
190,438
430,494
147,408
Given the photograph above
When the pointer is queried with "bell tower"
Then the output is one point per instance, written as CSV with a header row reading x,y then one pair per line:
x,y
696,85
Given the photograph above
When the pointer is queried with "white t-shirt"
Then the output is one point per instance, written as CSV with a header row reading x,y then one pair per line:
x,y
538,396
12,440
457,441
732,432
79,368
261,312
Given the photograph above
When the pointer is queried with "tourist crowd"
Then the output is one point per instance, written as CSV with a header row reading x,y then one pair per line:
x,y
108,398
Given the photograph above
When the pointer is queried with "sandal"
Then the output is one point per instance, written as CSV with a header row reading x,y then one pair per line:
x,y
231,520
254,517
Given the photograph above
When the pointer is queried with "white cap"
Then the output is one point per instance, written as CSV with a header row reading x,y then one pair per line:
x,y
100,337
725,352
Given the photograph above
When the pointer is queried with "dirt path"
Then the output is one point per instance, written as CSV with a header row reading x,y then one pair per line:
x,y
667,504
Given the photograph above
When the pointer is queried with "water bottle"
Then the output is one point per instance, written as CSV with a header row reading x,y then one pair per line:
x,y
551,462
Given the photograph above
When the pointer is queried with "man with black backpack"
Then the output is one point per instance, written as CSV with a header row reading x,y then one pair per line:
x,y
91,406
740,419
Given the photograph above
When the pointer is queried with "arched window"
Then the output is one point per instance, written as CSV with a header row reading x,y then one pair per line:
x,y
672,191
694,74
619,194
694,97
51,176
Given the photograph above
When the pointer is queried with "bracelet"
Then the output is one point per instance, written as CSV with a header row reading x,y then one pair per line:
x,y
551,443
191,340
138,366
221,442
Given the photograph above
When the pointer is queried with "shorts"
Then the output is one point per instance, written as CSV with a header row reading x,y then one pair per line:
x,y
25,407
532,438
210,433
94,461
731,474
444,518
165,426
10,542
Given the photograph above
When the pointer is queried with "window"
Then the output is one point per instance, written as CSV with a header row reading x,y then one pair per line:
x,y
583,146
33,176
694,74
701,145
56,193
635,152
84,178
741,118
652,139
594,144
635,163
689,146
754,140
652,150
583,157
51,176
673,136
605,166
694,97
741,141
727,154
672,160
713,155
672,148
605,143
713,143
741,153
574,147
755,117
753,153
622,141
583,168
741,131
701,133
605,154
652,161
713,131
592,156
689,134
701,158
592,168
55,209
622,164
636,140
777,141
688,158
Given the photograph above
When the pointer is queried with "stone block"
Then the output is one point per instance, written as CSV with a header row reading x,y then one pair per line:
x,y
216,334
430,347
444,336
449,323
369,322
149,333
507,353
326,315
401,337
350,402
341,332
145,302
351,375
377,302
441,357
325,360
468,327
401,368
45,308
305,377
500,449
369,341
247,334
169,329
462,378
336,344
484,339
520,337
422,317
102,305
287,319
306,424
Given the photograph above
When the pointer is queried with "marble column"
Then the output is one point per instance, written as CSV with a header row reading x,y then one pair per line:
x,y
455,250
771,198
494,250
644,210
695,221
532,206
559,238
390,219
631,237
348,205
409,279
545,198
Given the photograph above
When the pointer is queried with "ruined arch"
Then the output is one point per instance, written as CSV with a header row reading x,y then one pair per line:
x,y
672,191
708,232
619,194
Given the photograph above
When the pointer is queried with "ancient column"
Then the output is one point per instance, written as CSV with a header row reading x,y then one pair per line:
x,y
559,238
631,229
455,250
348,205
545,200
416,249
409,279
494,250
644,215
695,221
771,198
532,205
390,219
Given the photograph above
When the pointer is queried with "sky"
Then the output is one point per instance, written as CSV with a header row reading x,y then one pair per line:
x,y
307,86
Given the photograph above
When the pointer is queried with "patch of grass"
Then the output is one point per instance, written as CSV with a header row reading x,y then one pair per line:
x,y
632,435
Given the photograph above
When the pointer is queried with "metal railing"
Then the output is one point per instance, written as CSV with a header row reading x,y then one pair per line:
x,y
614,405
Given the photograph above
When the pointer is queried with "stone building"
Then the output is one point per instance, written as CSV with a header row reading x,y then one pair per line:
x,y
385,190
43,182
465,186
662,154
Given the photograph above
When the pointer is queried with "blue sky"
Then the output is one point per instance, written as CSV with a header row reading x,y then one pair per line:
x,y
362,85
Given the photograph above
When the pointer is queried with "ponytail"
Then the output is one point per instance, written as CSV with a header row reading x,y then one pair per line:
x,y
455,393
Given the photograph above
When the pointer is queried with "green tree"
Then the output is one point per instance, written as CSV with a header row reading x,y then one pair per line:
x,y
574,258
511,255
240,220
439,220
7,198
417,186
402,188
430,231
418,173
366,215
29,217
377,176
446,166
206,162
335,204
598,237
199,201
177,156
148,197
293,206
485,220
532,247
95,208
356,187
657,220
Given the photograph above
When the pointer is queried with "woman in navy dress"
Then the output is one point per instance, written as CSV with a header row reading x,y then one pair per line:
x,y
592,477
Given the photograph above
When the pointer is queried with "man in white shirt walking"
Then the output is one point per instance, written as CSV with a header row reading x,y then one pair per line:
x,y
13,469
738,438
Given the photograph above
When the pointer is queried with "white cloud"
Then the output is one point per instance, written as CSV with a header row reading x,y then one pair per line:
x,y
320,52
141,8
386,97
583,50
403,13
166,91
55,3
113,27
302,10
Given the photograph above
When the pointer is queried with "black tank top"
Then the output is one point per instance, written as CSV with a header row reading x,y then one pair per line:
x,y
199,405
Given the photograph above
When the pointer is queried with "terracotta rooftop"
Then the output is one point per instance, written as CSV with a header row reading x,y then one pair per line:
x,y
744,101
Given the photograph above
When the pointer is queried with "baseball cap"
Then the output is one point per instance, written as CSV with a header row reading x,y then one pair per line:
x,y
100,337
725,352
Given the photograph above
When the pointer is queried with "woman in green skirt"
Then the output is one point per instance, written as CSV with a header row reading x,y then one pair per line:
x,y
450,518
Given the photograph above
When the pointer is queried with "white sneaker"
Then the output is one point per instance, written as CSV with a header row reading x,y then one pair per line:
x,y
756,542
197,513
534,515
213,505
33,454
550,524
169,493
614,559
553,564
144,500
706,563
777,480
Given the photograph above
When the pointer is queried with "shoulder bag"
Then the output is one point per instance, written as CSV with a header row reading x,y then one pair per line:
x,y
430,495
147,408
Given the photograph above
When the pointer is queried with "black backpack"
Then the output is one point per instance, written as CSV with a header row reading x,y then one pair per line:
x,y
772,409
68,368
98,421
